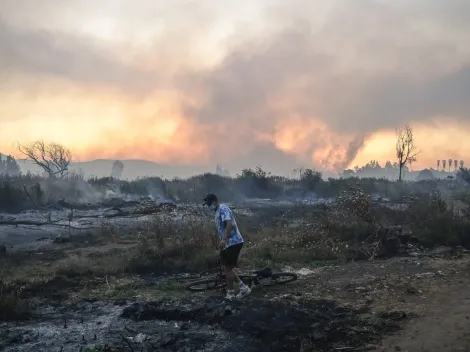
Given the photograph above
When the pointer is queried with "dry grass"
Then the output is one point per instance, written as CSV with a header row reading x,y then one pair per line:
x,y
310,237
12,306
131,287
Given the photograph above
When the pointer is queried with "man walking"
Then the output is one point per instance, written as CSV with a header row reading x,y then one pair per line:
x,y
231,242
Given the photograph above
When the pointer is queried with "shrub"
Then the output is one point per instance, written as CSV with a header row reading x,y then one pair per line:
x,y
12,198
435,222
12,306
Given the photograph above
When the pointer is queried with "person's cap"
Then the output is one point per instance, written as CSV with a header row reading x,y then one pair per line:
x,y
210,198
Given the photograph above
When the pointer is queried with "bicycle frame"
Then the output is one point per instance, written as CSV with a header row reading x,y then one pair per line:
x,y
248,279
221,276
217,279
223,280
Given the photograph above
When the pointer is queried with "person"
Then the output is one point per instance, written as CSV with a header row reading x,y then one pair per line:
x,y
231,243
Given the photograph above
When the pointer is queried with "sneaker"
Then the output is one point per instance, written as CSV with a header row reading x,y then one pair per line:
x,y
229,296
245,291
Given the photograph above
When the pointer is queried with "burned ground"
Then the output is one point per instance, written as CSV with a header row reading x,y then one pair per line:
x,y
329,308
111,277
279,325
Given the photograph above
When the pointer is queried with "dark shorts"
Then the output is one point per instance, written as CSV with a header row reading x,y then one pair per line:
x,y
229,256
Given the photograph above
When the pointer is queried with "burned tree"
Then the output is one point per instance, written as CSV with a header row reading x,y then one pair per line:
x,y
53,158
406,150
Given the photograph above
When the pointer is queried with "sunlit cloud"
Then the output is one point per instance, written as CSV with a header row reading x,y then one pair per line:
x,y
321,84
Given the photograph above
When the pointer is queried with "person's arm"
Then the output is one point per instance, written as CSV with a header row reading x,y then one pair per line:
x,y
227,219
228,230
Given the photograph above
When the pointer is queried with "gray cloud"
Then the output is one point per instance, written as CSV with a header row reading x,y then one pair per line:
x,y
40,53
267,156
358,66
368,67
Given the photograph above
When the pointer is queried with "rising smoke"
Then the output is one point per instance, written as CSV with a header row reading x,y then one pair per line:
x,y
309,81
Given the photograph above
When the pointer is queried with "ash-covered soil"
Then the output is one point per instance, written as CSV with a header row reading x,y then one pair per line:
x,y
199,324
395,304
265,325
353,307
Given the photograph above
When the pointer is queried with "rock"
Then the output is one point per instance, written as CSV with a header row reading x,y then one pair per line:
x,y
62,238
228,310
305,272
120,302
140,338
411,290
167,340
393,315
425,275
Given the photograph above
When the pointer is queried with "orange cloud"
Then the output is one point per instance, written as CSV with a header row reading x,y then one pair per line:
x,y
180,91
438,139
109,125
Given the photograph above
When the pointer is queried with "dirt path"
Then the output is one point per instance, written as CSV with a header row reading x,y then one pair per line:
x,y
443,325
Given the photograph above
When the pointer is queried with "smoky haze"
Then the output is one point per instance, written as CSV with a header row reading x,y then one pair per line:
x,y
304,83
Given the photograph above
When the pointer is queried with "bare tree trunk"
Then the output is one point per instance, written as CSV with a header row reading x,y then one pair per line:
x,y
405,148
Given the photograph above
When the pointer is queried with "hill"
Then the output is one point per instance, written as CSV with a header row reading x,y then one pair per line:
x,y
132,168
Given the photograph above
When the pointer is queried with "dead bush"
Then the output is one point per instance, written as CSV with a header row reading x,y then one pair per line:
x,y
12,306
98,264
435,221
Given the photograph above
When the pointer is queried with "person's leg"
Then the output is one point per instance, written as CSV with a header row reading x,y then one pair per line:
x,y
225,261
230,256
244,289
236,279
230,277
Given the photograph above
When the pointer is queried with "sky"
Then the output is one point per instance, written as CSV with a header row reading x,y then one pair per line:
x,y
277,83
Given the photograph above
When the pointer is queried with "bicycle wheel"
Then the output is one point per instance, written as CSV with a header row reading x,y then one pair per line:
x,y
205,285
277,279
187,278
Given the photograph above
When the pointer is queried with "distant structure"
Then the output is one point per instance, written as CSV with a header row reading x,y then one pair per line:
x,y
9,166
425,175
448,164
117,169
219,170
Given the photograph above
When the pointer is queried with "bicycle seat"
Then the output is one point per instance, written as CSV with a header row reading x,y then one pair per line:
x,y
265,272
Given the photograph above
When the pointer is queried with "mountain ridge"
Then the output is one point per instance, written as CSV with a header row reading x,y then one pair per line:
x,y
133,168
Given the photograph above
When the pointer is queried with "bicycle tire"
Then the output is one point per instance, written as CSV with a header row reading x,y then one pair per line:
x,y
210,285
187,278
271,280
208,272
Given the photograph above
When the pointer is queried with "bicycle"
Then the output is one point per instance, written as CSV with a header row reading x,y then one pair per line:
x,y
263,277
